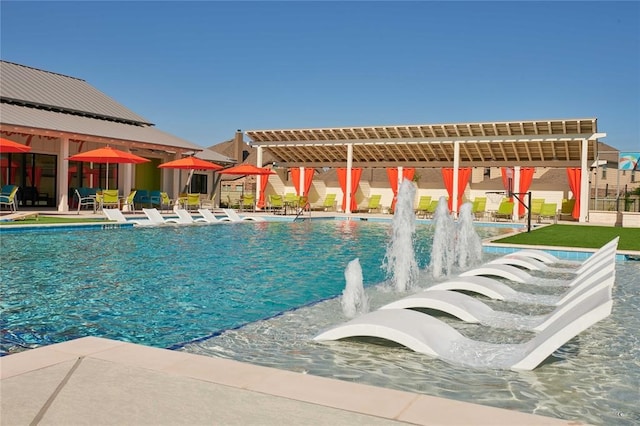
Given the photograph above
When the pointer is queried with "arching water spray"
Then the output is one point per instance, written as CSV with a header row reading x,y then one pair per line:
x,y
400,261
468,246
442,250
354,300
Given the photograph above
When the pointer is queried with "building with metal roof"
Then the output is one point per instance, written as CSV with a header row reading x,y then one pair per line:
x,y
59,115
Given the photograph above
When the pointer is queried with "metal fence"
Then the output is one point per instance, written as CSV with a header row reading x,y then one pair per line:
x,y
631,204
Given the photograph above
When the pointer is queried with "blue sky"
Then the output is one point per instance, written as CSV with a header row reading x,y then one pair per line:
x,y
201,70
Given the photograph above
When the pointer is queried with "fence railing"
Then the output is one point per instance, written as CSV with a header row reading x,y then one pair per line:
x,y
615,204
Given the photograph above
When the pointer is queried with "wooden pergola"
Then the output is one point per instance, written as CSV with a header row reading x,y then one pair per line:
x,y
555,143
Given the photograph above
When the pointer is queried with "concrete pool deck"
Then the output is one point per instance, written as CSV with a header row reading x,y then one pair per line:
x,y
96,381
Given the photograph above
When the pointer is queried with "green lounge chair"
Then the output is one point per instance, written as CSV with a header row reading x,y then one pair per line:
x,y
127,203
423,204
248,203
479,208
108,198
189,201
549,211
431,209
505,210
566,211
329,203
374,203
276,204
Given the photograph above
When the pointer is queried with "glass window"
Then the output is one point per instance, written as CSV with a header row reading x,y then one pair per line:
x,y
198,184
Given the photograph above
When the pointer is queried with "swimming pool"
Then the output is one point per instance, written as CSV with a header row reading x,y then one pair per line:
x,y
167,287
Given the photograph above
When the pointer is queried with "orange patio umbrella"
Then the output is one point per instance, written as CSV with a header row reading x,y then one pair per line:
x,y
247,169
9,146
108,155
190,163
250,169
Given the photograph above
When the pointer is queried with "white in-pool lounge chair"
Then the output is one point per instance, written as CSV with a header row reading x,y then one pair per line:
x,y
208,216
156,218
185,217
472,310
117,216
235,217
549,259
521,262
428,335
505,271
497,290
516,274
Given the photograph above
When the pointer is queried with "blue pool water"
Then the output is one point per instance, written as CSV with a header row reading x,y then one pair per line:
x,y
164,286
231,291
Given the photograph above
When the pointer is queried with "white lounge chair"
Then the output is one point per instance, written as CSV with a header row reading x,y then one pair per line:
x,y
117,216
156,218
497,290
516,274
505,271
472,310
185,217
428,335
208,216
235,217
548,258
522,262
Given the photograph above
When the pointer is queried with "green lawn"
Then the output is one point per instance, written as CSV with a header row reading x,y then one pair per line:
x,y
47,220
577,236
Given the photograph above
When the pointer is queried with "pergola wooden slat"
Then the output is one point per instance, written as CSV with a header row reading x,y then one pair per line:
x,y
537,143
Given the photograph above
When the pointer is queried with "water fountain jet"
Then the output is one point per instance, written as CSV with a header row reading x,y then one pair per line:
x,y
354,300
400,261
442,249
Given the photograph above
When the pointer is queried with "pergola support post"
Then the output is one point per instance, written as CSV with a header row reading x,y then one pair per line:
x,y
63,170
584,183
259,177
456,189
347,208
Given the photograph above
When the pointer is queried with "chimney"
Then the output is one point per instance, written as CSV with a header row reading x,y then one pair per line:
x,y
238,146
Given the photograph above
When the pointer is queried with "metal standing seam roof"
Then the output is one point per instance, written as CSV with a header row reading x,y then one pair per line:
x,y
552,143
40,102
24,119
31,86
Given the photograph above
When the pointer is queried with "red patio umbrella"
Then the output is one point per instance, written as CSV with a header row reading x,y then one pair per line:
x,y
108,155
250,169
9,146
190,163
247,169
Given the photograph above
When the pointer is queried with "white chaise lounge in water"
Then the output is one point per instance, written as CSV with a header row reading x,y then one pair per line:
x,y
117,216
235,217
209,217
505,271
520,261
156,218
428,335
605,255
497,290
548,258
185,217
472,310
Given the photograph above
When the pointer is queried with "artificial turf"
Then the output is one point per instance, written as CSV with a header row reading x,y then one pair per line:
x,y
48,220
577,236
